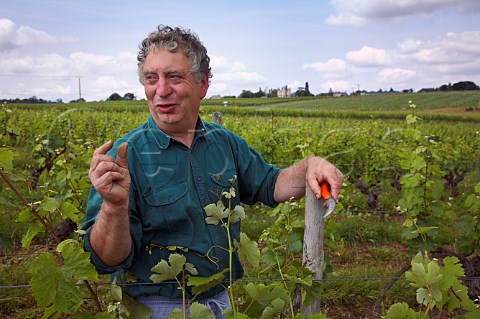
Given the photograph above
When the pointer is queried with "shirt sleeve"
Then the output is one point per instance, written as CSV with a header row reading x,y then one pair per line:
x,y
256,177
93,207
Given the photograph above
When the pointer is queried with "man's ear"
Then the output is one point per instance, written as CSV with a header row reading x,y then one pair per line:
x,y
204,86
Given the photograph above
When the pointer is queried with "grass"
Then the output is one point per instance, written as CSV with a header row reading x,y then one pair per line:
x,y
368,246
16,302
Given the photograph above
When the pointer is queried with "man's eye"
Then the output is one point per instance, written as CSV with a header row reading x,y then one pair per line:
x,y
150,77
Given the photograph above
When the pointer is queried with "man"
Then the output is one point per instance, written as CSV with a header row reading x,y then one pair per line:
x,y
150,187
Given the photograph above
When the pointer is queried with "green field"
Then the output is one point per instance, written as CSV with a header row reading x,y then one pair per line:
x,y
412,184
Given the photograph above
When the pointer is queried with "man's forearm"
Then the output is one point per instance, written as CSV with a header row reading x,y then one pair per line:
x,y
291,182
313,170
110,236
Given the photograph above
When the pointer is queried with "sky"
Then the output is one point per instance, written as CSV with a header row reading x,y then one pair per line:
x,y
64,49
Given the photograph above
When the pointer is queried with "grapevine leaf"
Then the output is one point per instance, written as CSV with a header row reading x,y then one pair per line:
x,y
177,313
423,230
451,270
44,267
472,203
261,296
248,249
116,292
199,311
402,311
216,213
136,309
433,273
201,284
32,231
51,286
49,312
296,244
25,216
191,269
70,211
237,214
6,159
68,298
77,262
423,297
168,270
417,275
49,204
306,281
276,307
228,313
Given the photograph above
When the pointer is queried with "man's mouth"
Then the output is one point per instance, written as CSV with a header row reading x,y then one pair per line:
x,y
165,108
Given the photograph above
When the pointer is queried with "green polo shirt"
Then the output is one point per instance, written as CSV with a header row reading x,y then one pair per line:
x,y
170,186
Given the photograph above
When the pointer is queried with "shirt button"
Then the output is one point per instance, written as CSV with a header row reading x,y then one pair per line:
x,y
199,178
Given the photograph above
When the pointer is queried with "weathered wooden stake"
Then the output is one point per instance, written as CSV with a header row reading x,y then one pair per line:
x,y
217,118
313,243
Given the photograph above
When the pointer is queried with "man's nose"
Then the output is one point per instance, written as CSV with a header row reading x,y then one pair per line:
x,y
164,88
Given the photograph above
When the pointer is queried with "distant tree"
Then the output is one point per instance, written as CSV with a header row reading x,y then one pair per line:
x,y
272,93
81,100
445,87
115,97
129,97
260,93
307,90
246,94
304,91
465,86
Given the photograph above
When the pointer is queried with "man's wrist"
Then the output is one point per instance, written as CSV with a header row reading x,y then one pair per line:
x,y
114,209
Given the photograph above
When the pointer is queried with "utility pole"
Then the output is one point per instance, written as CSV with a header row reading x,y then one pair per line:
x,y
79,88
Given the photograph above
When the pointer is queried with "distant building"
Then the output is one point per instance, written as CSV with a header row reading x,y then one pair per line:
x,y
284,91
216,97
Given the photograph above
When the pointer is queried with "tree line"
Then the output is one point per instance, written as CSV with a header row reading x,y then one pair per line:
x,y
301,91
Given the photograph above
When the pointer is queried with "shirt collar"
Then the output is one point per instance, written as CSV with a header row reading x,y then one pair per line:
x,y
164,140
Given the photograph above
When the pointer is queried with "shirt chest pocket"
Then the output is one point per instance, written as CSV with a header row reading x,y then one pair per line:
x,y
169,217
223,182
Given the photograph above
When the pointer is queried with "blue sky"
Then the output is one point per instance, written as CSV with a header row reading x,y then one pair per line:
x,y
46,46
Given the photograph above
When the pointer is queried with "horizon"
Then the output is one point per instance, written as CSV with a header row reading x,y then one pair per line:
x,y
55,49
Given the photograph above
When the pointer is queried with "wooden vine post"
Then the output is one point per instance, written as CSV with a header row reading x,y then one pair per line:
x,y
313,243
217,118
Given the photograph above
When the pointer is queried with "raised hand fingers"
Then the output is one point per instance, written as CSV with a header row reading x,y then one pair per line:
x,y
122,155
99,155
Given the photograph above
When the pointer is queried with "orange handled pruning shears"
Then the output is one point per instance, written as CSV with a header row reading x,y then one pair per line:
x,y
329,201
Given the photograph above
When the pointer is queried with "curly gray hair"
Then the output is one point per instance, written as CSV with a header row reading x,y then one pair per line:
x,y
174,39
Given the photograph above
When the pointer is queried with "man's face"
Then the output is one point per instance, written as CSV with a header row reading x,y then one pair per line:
x,y
172,93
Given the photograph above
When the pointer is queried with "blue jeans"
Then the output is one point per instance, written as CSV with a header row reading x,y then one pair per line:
x,y
162,306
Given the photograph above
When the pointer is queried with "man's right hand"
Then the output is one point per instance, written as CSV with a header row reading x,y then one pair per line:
x,y
111,178
110,237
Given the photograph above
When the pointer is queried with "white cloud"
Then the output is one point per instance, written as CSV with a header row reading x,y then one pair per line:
x,y
368,56
42,64
105,64
333,68
412,63
230,78
396,75
13,36
361,12
451,48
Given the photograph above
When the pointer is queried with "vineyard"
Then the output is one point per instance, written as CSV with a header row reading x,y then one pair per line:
x,y
403,242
